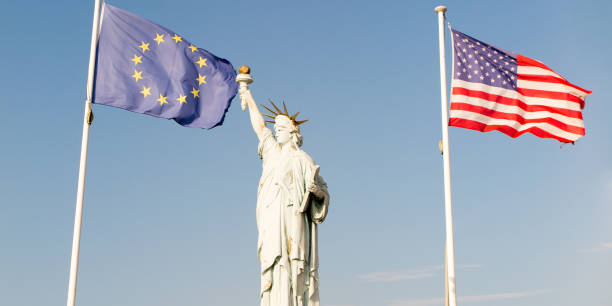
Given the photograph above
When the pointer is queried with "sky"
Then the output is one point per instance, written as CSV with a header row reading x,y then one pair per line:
x,y
169,215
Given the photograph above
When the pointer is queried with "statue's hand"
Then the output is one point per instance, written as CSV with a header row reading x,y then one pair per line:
x,y
243,96
314,189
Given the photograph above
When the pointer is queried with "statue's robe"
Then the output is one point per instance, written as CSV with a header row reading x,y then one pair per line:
x,y
287,218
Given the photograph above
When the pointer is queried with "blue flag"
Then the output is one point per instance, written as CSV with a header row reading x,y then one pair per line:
x,y
146,68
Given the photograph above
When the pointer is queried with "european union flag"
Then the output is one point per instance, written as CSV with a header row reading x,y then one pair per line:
x,y
146,68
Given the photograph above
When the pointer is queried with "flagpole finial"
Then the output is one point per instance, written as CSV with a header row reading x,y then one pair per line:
x,y
440,8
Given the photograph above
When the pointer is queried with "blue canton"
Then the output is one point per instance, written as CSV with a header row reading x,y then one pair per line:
x,y
479,62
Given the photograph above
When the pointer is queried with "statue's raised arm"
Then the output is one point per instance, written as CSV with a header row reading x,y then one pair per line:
x,y
257,121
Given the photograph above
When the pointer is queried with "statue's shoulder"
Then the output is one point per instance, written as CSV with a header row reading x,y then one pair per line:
x,y
304,156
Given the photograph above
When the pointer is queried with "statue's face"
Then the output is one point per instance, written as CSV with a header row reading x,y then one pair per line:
x,y
283,128
283,134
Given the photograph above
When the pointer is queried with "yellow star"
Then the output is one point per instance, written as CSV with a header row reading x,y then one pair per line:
x,y
159,38
201,79
137,75
195,92
193,48
162,99
145,91
144,46
137,59
202,62
177,38
182,99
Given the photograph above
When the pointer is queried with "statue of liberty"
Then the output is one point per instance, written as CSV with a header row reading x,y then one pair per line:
x,y
292,199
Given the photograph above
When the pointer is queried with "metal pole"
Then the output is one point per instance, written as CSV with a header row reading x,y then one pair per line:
x,y
450,245
87,119
445,279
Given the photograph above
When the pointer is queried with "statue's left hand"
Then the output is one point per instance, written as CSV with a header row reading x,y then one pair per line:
x,y
314,189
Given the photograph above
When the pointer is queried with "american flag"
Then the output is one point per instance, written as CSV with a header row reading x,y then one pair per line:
x,y
494,89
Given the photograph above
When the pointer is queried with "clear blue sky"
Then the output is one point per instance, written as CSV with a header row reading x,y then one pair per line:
x,y
170,211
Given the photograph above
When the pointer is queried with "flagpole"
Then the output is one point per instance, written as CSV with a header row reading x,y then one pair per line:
x,y
450,245
87,119
445,279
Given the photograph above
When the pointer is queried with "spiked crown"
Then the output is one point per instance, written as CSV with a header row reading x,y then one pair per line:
x,y
284,112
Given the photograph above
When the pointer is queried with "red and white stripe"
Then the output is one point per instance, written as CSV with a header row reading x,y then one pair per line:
x,y
544,104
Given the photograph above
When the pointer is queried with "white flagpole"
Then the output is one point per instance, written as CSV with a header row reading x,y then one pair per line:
x,y
87,119
450,245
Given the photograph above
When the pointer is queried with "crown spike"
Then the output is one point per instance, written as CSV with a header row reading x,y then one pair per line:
x,y
277,109
273,112
284,112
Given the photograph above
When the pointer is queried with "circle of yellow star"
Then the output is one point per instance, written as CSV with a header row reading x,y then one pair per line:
x,y
145,91
137,75
162,99
193,48
195,92
182,99
144,46
201,79
137,59
202,62
177,38
159,38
